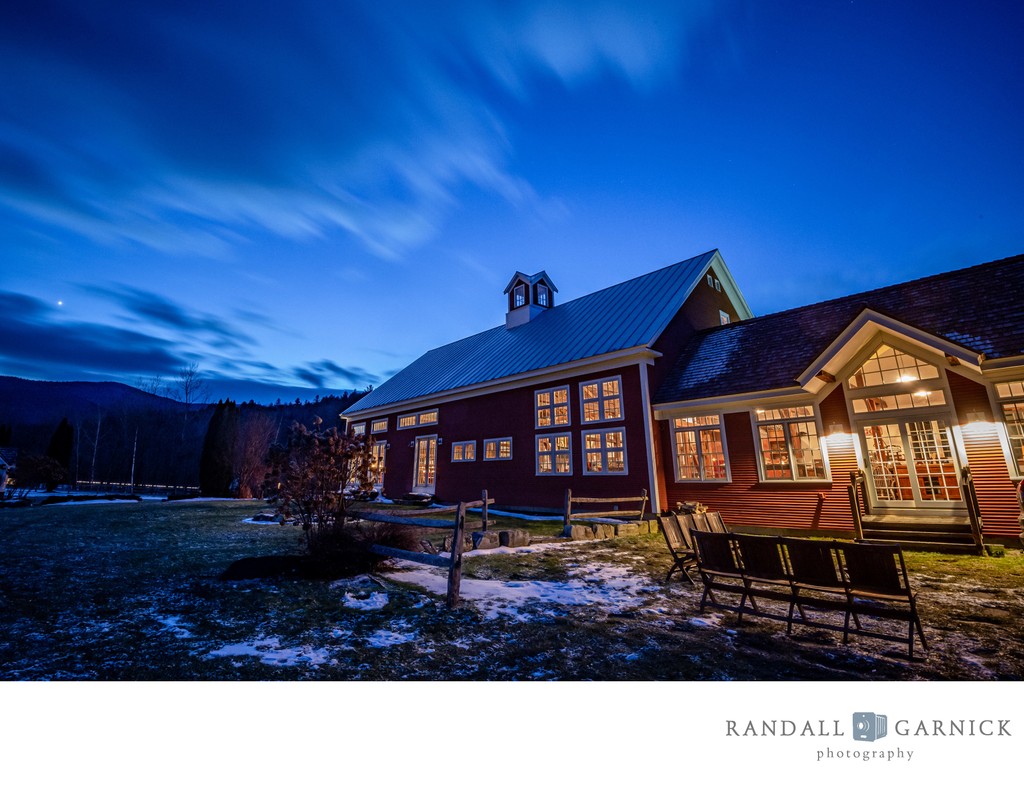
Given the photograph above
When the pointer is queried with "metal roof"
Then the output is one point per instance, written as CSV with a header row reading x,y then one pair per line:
x,y
623,316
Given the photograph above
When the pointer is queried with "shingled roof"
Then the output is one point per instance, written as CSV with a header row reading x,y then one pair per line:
x,y
627,315
980,308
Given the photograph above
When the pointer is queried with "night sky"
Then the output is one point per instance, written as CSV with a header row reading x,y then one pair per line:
x,y
312,194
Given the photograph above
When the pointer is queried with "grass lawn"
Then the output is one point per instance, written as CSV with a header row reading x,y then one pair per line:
x,y
131,592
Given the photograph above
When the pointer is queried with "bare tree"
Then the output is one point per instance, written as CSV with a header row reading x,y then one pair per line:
x,y
191,389
255,436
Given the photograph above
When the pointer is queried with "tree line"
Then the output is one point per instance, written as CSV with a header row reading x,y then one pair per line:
x,y
219,448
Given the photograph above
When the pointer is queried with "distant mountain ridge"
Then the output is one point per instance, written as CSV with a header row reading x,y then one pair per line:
x,y
35,401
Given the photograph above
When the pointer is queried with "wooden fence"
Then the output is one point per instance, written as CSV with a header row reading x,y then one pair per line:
x,y
428,517
570,501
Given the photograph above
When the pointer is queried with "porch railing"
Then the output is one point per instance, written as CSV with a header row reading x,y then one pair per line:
x,y
970,495
859,505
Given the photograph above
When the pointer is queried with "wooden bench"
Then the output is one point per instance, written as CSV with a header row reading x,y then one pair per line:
x,y
855,579
680,546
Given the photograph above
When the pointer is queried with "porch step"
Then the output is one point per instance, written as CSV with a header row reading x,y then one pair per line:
x,y
932,533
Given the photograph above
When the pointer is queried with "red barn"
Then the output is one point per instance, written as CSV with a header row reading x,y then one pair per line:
x,y
560,396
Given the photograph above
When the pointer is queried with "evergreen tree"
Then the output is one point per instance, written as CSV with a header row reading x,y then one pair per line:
x,y
216,463
61,444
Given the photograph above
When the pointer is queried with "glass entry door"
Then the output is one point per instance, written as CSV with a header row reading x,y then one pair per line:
x,y
912,463
425,475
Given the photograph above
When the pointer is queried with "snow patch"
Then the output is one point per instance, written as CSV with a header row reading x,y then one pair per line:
x,y
270,651
173,625
612,588
389,638
375,602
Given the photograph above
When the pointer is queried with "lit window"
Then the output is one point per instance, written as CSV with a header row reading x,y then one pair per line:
x,y
1011,402
789,445
519,296
700,448
543,295
602,400
885,403
358,429
551,407
724,318
379,426
425,418
888,366
464,451
604,452
378,457
554,454
498,449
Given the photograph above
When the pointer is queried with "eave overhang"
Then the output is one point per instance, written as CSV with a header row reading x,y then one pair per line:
x,y
828,365
634,355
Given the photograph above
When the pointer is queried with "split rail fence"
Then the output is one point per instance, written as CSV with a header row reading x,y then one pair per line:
x,y
429,517
570,501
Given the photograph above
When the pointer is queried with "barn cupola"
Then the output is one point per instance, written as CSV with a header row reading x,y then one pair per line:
x,y
528,297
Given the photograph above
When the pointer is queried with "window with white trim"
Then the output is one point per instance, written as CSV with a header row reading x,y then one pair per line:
x,y
378,458
543,295
1011,403
499,449
554,454
519,296
378,426
887,365
724,318
464,451
699,448
788,444
604,452
551,407
358,429
601,400
426,418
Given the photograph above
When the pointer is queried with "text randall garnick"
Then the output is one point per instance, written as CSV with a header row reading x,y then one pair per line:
x,y
988,727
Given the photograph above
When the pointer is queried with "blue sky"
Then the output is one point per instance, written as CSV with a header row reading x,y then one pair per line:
x,y
312,194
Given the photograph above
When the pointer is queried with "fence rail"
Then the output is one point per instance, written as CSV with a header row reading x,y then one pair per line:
x,y
568,515
424,518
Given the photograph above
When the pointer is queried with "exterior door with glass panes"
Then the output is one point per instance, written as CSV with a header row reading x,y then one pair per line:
x,y
425,470
912,463
901,416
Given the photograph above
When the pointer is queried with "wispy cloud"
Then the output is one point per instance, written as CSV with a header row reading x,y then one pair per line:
x,y
156,309
196,125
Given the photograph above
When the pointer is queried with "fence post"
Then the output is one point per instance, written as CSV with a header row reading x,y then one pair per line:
x,y
483,513
455,571
568,507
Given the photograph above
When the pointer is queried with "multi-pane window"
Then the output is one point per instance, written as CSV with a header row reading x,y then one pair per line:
x,y
601,400
464,451
700,448
358,429
519,296
543,295
378,426
554,454
498,449
724,318
789,445
886,403
425,418
552,407
1011,401
378,457
887,366
604,452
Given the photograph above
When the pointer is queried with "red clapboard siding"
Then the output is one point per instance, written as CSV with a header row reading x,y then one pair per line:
x,y
748,502
995,487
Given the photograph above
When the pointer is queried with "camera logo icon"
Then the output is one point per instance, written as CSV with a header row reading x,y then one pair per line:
x,y
868,726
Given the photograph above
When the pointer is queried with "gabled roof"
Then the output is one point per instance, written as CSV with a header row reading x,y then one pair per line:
x,y
531,280
979,308
624,316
